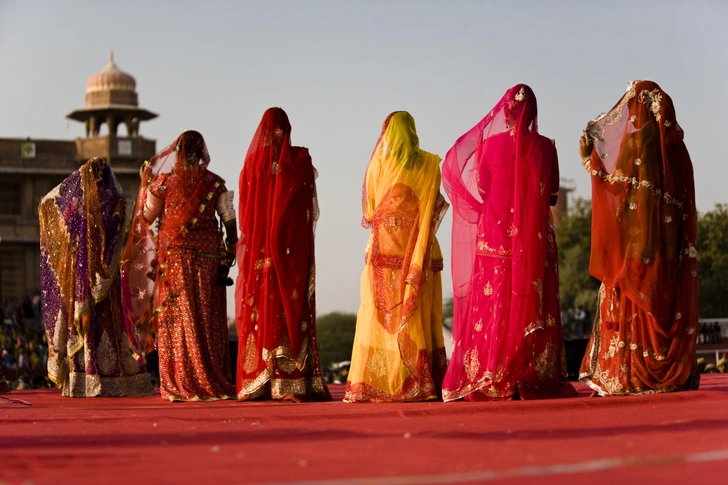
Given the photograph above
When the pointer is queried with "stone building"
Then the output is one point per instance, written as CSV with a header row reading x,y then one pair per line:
x,y
30,168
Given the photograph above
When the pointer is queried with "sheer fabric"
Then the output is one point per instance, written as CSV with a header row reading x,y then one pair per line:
x,y
506,325
643,248
170,273
398,352
275,294
82,229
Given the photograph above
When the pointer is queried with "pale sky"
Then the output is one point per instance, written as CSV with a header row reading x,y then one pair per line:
x,y
338,68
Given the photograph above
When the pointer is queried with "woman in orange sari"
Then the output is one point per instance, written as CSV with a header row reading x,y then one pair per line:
x,y
175,280
399,353
643,248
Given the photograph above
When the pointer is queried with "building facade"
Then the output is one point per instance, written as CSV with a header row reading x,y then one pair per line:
x,y
30,168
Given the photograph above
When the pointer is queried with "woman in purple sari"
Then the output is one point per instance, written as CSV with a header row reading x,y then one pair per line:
x,y
83,224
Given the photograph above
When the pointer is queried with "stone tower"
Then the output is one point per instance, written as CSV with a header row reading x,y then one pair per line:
x,y
111,100
30,168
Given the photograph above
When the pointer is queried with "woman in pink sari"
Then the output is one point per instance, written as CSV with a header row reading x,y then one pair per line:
x,y
501,177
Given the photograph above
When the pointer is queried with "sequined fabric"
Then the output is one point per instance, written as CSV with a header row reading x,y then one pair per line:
x,y
82,223
544,373
644,226
276,286
398,352
192,336
507,339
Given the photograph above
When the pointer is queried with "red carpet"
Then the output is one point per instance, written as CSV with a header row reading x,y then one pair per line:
x,y
668,438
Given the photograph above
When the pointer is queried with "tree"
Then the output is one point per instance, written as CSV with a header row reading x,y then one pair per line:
x,y
576,286
712,246
335,337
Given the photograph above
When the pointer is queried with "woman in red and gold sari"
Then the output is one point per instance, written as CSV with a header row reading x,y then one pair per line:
x,y
501,177
399,353
275,293
175,280
642,249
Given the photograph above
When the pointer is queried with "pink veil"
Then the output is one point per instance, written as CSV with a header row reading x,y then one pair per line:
x,y
508,133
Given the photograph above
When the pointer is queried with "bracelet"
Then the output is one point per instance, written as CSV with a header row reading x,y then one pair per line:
x,y
225,206
586,160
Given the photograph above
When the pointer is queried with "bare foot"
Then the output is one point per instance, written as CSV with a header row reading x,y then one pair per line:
x,y
290,398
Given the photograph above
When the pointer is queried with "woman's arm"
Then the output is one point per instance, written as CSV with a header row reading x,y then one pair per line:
x,y
226,211
152,207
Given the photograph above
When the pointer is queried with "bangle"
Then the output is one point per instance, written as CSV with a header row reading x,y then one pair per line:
x,y
586,160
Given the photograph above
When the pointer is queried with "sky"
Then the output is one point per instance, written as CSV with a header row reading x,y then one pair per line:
x,y
338,68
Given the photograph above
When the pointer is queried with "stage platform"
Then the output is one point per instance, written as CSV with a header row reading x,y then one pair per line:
x,y
667,438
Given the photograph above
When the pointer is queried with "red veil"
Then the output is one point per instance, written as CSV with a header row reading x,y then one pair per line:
x,y
499,176
276,280
143,260
643,199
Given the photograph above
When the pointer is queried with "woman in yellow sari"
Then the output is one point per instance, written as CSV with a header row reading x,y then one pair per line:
x,y
399,354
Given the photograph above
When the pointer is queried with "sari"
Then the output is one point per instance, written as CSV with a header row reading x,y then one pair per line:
x,y
83,224
399,352
171,271
275,293
643,249
507,337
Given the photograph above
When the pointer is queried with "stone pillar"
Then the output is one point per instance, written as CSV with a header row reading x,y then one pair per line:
x,y
112,125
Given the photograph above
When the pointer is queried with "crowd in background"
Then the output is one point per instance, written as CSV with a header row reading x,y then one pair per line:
x,y
23,346
709,333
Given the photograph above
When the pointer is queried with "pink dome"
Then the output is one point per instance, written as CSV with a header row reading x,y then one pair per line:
x,y
110,78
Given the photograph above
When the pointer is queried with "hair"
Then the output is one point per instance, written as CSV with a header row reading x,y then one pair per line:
x,y
190,147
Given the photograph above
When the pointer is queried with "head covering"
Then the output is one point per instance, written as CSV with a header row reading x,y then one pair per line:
x,y
277,214
643,198
145,252
403,206
82,227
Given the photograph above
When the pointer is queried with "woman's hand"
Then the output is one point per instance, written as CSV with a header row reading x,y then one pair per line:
x,y
145,170
585,146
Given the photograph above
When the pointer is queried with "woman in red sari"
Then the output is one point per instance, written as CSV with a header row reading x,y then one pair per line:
x,y
173,280
642,249
275,293
501,177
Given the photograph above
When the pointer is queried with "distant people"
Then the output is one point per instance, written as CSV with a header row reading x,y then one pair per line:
x,y
501,177
722,364
399,353
4,386
716,333
275,293
642,248
83,222
176,281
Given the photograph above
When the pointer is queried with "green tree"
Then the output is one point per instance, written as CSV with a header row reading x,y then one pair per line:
x,y
712,246
576,286
335,337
